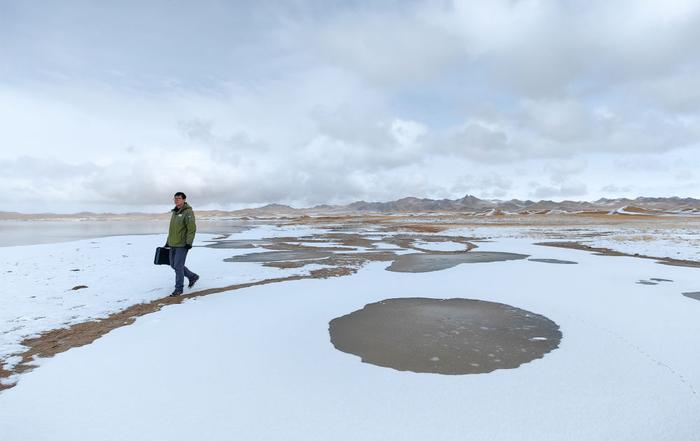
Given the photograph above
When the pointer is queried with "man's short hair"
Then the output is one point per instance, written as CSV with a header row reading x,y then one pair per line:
x,y
181,194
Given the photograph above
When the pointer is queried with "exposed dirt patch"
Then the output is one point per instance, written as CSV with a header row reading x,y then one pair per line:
x,y
354,260
409,241
348,239
326,273
4,374
237,244
288,264
423,228
279,256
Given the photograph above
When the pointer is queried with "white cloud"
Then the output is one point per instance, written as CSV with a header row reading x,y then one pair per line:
x,y
564,121
386,47
309,102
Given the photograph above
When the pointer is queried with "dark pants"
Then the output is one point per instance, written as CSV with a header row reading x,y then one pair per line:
x,y
177,262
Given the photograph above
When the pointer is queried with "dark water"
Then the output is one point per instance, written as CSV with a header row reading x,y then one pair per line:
x,y
425,262
692,295
555,261
452,336
14,233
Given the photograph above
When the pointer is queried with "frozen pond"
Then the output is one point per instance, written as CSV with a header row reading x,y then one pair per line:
x,y
13,233
424,262
444,336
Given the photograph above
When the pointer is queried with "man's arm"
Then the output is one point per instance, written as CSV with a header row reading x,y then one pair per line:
x,y
191,228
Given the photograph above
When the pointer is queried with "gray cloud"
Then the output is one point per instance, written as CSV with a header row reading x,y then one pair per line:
x,y
490,185
387,48
479,141
311,101
677,93
684,175
232,148
561,170
561,191
46,169
644,164
543,48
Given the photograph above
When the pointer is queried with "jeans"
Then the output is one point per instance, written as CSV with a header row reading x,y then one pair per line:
x,y
177,262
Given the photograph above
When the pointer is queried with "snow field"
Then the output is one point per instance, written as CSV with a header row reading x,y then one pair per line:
x,y
258,364
117,272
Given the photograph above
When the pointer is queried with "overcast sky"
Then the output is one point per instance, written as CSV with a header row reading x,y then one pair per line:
x,y
114,106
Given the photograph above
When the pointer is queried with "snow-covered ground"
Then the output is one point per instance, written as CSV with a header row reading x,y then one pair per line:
x,y
676,243
117,272
258,363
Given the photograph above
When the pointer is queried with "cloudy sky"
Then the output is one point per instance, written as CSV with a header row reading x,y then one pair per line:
x,y
116,106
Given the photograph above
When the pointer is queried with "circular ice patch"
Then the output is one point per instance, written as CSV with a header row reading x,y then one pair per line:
x,y
452,336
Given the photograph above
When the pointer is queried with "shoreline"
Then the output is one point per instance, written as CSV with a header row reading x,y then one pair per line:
x,y
600,251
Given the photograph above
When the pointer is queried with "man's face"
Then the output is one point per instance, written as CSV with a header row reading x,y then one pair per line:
x,y
179,201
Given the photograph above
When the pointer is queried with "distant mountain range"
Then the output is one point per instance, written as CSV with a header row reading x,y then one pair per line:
x,y
468,204
473,205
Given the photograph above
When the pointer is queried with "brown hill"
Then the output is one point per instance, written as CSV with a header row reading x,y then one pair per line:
x,y
468,204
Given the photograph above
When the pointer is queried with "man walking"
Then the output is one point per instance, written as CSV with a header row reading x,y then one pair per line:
x,y
180,238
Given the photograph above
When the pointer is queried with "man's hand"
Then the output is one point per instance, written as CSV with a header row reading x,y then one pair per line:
x,y
188,246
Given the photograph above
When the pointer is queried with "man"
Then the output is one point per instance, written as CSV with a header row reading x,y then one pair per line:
x,y
180,238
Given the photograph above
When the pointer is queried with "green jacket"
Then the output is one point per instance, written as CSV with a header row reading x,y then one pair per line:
x,y
182,227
